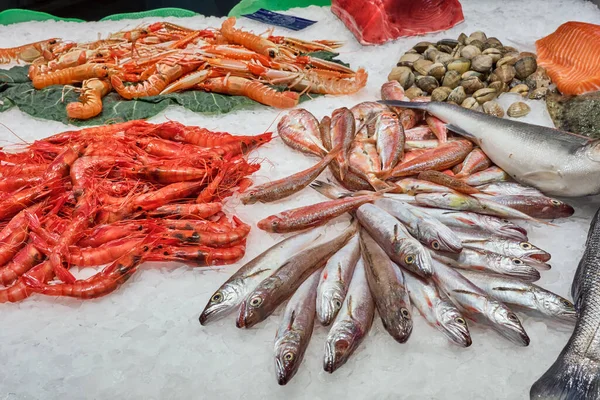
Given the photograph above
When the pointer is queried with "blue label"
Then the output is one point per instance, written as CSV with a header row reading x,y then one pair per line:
x,y
286,21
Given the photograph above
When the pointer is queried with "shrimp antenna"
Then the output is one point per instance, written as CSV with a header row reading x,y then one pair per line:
x,y
14,134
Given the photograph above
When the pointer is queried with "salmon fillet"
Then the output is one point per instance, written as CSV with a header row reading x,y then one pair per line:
x,y
571,56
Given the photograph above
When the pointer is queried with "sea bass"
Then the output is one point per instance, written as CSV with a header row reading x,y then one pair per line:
x,y
576,372
556,162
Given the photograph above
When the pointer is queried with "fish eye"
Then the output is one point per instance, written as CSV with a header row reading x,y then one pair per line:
x,y
565,302
410,259
460,321
405,312
506,221
338,304
526,246
256,301
288,356
555,202
512,317
435,244
517,261
217,298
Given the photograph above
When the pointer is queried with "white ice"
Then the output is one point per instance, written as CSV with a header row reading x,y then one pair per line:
x,y
144,341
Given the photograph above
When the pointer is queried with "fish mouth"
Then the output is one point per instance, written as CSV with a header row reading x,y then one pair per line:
x,y
541,256
515,334
329,361
528,274
240,322
281,373
424,264
458,335
452,246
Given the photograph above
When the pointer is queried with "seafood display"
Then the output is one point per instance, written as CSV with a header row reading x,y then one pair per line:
x,y
162,58
379,21
472,72
118,195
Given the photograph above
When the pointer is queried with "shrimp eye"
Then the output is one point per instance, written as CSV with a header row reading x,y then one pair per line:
x,y
405,312
217,298
555,202
517,261
288,356
460,321
526,246
409,259
256,301
435,244
513,317
272,53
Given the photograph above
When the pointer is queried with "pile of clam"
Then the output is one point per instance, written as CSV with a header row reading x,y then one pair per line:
x,y
471,71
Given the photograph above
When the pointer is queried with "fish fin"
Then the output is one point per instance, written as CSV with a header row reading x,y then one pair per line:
x,y
405,104
552,179
260,271
572,376
461,291
350,306
466,221
507,289
460,131
292,319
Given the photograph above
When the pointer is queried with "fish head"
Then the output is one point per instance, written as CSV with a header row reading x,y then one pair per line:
x,y
453,323
220,303
415,257
555,306
288,356
340,344
516,266
250,197
529,251
399,324
329,303
446,240
269,224
508,325
556,208
251,309
503,227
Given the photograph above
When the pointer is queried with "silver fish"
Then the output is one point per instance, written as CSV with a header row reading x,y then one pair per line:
x,y
428,230
333,191
282,283
352,323
413,186
386,282
508,189
556,162
468,220
523,294
438,311
491,175
295,330
243,281
395,240
576,372
476,303
470,259
335,279
510,248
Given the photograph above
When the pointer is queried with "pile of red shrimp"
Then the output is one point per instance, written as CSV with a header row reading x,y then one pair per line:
x,y
117,196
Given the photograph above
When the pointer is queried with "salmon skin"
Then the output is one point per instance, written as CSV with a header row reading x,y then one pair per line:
x,y
571,56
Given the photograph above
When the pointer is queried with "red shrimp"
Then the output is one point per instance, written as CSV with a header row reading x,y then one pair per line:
x,y
161,174
59,168
12,183
10,245
194,225
98,132
98,285
83,169
17,201
22,170
248,40
211,239
192,134
208,193
167,194
41,273
186,210
166,148
104,254
243,146
23,261
199,255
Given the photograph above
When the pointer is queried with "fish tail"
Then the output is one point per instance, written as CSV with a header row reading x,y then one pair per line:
x,y
571,377
405,104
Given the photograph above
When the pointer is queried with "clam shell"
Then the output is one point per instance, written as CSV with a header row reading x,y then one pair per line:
x,y
413,92
508,60
422,46
493,108
422,66
470,102
518,109
431,53
522,89
458,95
494,53
472,84
539,93
403,75
448,42
440,94
538,79
427,83
525,66
499,86
451,79
482,63
437,70
470,74
477,35
408,59
484,95
492,43
469,52
460,65
462,38
443,58
505,73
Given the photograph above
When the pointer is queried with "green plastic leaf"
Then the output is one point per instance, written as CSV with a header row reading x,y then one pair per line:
x,y
328,56
17,74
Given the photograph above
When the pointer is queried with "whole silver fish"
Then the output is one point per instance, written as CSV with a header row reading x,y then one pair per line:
x,y
438,311
526,295
510,248
388,288
556,162
335,279
468,220
414,186
474,302
509,189
295,330
243,281
428,230
576,372
395,240
491,175
282,283
541,207
352,323
389,137
470,259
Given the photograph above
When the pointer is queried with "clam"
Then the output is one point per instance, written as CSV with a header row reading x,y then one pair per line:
x,y
522,89
493,108
527,54
437,70
403,75
538,79
509,49
494,53
539,93
518,109
413,92
499,86
440,94
477,35
493,77
443,58
492,43
426,83
422,46
422,66
462,38
505,73
477,43
448,42
470,74
508,60
445,48
430,53
472,84
456,52
469,52
458,95
484,95
482,63
460,65
451,79
470,102
408,59
525,66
